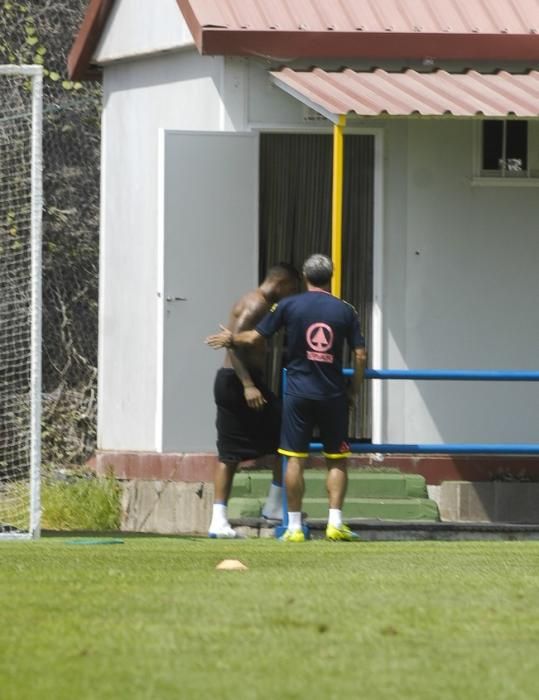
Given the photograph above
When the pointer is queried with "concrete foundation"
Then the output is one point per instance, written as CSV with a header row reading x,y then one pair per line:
x,y
170,507
166,507
489,502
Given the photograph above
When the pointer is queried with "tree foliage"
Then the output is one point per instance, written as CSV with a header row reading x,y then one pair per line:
x,y
42,32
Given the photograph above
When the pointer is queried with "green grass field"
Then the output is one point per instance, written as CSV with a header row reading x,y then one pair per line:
x,y
153,619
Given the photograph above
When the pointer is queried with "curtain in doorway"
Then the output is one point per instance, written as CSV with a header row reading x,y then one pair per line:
x,y
295,221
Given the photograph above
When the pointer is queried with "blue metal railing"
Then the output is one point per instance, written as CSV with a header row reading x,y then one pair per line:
x,y
494,375
435,448
483,375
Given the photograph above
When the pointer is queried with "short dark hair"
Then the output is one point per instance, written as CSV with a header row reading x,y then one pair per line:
x,y
284,269
318,269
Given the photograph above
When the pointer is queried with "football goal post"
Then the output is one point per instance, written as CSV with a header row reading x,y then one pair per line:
x,y
21,202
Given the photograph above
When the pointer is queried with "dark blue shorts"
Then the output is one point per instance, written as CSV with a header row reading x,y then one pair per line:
x,y
301,416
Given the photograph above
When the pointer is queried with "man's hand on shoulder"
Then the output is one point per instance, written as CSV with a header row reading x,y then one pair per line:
x,y
220,340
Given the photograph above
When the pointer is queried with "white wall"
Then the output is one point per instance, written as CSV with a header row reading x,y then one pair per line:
x,y
176,91
459,279
459,287
465,257
459,282
138,27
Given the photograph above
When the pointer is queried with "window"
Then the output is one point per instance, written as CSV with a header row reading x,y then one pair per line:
x,y
505,148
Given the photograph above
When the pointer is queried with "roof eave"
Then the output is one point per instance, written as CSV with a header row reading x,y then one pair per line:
x,y
79,60
368,45
192,22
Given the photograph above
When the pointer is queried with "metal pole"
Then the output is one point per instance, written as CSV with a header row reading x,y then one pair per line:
x,y
337,205
36,301
472,448
479,375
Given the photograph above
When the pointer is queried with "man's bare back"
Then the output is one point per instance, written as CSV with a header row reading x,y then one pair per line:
x,y
242,435
245,315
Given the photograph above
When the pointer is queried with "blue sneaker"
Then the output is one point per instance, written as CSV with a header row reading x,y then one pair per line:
x,y
293,536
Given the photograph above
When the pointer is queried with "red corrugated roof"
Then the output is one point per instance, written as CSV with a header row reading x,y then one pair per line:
x,y
420,16
473,30
430,94
372,29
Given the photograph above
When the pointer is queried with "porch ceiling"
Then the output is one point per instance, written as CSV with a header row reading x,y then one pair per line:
x,y
434,94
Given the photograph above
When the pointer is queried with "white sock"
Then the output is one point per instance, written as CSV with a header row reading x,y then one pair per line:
x,y
273,507
219,516
335,517
294,521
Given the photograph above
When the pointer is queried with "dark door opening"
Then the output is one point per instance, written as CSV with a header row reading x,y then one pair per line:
x,y
295,221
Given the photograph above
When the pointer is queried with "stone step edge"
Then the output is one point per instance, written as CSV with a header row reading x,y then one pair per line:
x,y
411,525
349,499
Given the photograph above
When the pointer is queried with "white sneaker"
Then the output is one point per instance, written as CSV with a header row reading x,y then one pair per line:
x,y
224,532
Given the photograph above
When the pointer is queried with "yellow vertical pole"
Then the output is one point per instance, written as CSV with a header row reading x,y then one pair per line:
x,y
337,202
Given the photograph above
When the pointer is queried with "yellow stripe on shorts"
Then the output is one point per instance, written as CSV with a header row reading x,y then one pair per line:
x,y
288,453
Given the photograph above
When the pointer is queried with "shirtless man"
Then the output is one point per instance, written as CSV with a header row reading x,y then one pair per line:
x,y
248,413
318,326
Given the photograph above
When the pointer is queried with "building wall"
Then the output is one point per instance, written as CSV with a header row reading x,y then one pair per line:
x,y
135,29
458,274
458,284
173,91
470,289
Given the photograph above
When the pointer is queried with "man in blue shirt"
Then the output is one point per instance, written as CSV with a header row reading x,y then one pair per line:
x,y
317,325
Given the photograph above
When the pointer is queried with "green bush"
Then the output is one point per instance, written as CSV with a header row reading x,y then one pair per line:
x,y
81,504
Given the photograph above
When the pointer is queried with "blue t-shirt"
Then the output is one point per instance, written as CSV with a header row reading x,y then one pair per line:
x,y
317,324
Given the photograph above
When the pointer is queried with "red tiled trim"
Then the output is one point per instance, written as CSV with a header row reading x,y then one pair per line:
x,y
155,466
200,467
438,468
163,467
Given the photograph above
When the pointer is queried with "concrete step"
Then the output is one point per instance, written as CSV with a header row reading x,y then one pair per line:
x,y
375,508
245,507
361,484
404,509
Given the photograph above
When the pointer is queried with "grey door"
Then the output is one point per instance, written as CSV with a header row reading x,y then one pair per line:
x,y
209,259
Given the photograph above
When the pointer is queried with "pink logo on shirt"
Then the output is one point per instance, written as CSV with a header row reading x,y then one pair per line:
x,y
319,338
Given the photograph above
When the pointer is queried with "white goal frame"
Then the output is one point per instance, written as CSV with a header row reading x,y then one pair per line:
x,y
35,74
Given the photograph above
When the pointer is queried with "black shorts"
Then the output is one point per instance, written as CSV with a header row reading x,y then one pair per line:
x,y
243,433
300,416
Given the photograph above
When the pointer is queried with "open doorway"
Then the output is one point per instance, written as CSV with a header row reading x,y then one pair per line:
x,y
295,221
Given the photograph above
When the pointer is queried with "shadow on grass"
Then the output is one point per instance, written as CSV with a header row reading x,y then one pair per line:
x,y
114,534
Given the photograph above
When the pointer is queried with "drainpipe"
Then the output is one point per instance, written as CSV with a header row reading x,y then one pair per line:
x,y
336,207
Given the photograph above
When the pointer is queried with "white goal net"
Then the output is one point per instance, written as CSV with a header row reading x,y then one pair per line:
x,y
20,299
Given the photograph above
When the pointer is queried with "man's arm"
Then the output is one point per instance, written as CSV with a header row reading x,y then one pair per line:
x,y
246,314
359,363
227,339
246,319
269,325
253,396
